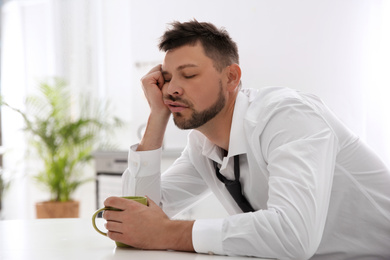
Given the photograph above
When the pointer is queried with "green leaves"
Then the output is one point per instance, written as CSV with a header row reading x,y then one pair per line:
x,y
64,139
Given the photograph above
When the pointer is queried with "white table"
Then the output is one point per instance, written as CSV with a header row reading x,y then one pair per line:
x,y
74,239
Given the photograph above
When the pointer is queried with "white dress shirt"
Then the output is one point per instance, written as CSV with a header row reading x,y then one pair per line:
x,y
318,190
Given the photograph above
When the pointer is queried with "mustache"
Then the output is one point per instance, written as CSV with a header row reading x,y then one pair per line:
x,y
177,99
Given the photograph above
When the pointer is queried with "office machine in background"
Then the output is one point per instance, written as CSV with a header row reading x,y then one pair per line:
x,y
109,168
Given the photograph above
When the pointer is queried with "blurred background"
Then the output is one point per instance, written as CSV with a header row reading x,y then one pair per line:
x,y
336,49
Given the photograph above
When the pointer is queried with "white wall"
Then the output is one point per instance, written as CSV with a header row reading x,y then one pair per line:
x,y
330,48
336,49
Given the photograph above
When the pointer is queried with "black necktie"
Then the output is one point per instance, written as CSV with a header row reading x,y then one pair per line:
x,y
234,187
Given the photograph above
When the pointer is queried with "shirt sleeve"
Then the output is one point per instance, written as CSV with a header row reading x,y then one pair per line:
x,y
175,190
143,177
300,150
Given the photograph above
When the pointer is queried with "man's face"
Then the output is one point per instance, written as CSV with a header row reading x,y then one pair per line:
x,y
193,88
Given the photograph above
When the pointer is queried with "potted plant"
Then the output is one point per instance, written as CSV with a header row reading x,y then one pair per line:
x,y
64,142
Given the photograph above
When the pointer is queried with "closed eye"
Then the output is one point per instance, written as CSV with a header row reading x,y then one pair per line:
x,y
189,77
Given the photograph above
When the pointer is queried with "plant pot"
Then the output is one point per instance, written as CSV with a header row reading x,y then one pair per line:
x,y
56,209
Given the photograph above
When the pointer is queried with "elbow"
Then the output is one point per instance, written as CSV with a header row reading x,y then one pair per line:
x,y
300,254
287,248
300,241
270,234
292,248
296,239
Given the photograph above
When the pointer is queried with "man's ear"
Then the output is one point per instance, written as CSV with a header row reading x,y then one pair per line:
x,y
234,76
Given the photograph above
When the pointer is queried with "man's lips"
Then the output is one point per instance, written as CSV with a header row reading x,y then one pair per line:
x,y
175,106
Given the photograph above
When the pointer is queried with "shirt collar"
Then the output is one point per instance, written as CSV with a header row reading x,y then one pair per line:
x,y
237,141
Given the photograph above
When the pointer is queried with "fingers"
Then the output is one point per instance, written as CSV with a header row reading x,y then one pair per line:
x,y
138,225
152,85
154,77
115,202
120,204
113,215
116,236
113,226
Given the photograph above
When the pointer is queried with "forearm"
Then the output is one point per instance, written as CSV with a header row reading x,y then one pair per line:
x,y
152,84
154,132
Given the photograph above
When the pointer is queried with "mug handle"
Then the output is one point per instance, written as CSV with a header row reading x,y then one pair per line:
x,y
95,215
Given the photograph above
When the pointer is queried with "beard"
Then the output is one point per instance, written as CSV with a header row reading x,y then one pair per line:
x,y
199,118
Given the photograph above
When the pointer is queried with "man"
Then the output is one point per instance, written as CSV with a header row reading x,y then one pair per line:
x,y
311,188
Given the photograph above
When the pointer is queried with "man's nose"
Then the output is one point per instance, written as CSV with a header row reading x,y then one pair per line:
x,y
174,88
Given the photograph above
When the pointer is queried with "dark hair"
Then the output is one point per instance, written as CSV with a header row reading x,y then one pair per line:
x,y
216,43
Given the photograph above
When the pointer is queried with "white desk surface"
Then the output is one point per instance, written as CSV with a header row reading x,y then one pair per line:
x,y
74,239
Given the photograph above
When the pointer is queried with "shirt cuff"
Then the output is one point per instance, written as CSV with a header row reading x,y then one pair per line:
x,y
142,175
207,236
144,163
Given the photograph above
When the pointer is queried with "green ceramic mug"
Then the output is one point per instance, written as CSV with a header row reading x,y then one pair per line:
x,y
142,200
